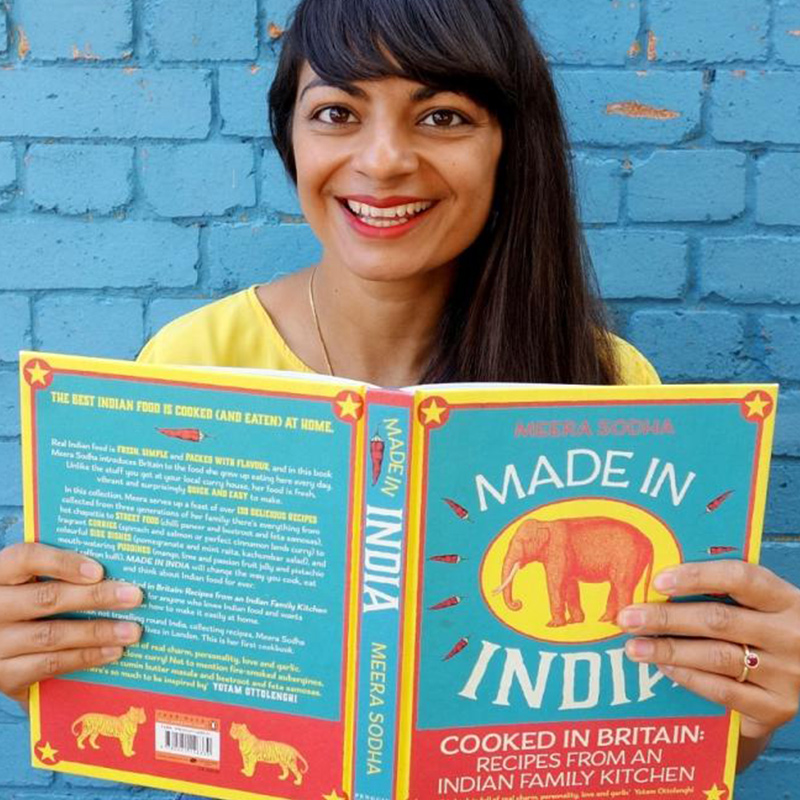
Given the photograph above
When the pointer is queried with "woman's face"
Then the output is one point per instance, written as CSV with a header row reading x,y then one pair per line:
x,y
394,178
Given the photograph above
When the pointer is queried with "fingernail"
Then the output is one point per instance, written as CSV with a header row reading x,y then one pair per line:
x,y
640,648
631,618
91,570
130,595
665,581
111,653
126,631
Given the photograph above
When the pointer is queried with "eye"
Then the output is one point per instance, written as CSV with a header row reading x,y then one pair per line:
x,y
446,118
336,115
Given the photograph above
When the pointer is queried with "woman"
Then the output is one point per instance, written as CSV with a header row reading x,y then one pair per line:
x,y
430,158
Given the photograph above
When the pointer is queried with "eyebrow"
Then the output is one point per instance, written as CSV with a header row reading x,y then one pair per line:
x,y
418,96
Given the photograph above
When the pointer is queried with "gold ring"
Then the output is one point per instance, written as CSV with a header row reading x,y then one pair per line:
x,y
750,660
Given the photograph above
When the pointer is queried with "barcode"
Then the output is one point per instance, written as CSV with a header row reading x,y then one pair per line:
x,y
182,740
202,745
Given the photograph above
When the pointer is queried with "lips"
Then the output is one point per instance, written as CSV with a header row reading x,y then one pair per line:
x,y
385,202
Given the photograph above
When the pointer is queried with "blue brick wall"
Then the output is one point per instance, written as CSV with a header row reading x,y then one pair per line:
x,y
138,180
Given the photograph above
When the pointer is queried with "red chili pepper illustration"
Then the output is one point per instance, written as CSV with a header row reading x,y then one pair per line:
x,y
717,549
449,603
459,646
377,447
448,558
718,501
186,434
459,510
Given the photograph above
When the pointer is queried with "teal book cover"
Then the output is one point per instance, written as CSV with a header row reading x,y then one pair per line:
x,y
364,594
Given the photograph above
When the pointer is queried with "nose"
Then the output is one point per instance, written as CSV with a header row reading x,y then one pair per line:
x,y
385,151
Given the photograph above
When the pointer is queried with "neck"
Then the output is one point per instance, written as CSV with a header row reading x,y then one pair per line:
x,y
379,331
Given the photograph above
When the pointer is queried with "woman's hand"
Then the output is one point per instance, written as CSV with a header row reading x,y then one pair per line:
x,y
32,648
708,659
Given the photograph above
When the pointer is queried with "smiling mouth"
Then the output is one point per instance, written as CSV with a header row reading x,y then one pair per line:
x,y
392,217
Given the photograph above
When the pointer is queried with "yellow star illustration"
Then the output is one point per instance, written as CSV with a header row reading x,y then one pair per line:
x,y
37,373
334,795
350,406
48,752
433,412
714,793
755,408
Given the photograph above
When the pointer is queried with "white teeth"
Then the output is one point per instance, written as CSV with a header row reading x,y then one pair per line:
x,y
367,213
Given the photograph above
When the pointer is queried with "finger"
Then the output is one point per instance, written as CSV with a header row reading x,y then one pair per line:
x,y
25,638
751,585
762,707
703,620
17,674
46,598
20,563
720,658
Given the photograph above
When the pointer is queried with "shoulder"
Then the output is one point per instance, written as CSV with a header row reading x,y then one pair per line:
x,y
232,332
633,367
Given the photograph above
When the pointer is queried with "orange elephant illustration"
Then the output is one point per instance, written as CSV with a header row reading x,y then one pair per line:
x,y
588,550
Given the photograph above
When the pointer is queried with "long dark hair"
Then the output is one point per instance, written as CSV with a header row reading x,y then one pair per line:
x,y
524,305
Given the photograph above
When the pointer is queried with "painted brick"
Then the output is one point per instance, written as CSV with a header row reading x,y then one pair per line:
x,y
49,254
599,187
114,102
778,187
76,29
601,34
756,106
783,558
89,793
278,193
165,310
600,106
111,327
241,255
9,404
10,710
95,789
689,345
631,264
783,503
8,165
76,179
193,180
3,30
695,30
11,531
194,30
751,269
243,99
10,481
787,426
276,18
688,186
778,773
781,333
15,332
786,31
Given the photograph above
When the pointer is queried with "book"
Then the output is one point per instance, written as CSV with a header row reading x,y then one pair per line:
x,y
367,594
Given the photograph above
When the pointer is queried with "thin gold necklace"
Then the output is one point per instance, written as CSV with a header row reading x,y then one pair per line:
x,y
316,321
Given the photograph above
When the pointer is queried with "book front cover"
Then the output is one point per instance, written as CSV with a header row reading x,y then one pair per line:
x,y
231,505
539,519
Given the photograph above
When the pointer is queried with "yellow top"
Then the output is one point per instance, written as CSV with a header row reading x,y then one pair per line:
x,y
238,332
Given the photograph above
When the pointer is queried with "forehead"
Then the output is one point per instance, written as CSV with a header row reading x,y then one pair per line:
x,y
404,88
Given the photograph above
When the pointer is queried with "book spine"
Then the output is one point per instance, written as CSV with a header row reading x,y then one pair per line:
x,y
385,528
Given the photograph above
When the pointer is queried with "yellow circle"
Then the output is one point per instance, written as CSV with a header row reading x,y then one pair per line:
x,y
530,584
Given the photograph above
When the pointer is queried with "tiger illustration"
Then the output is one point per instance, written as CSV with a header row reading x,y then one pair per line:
x,y
254,750
123,728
